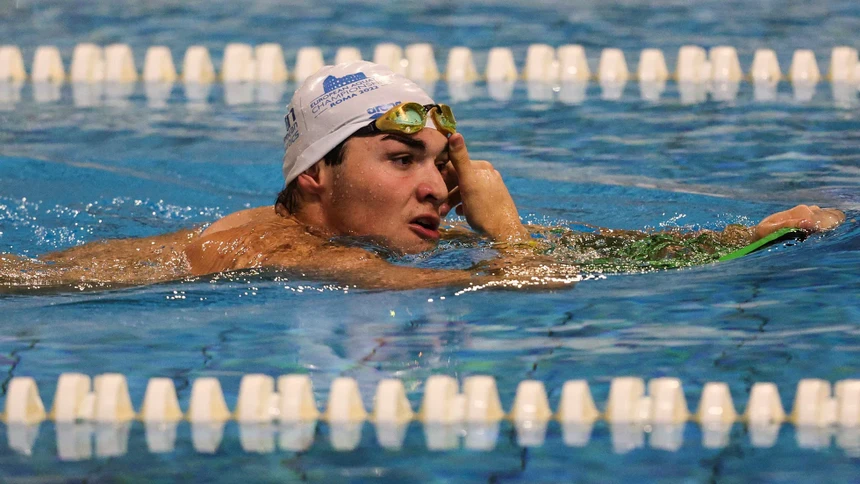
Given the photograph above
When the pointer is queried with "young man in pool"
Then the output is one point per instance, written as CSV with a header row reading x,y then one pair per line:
x,y
359,162
369,157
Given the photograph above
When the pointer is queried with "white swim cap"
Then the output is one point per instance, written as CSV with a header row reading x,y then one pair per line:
x,y
335,102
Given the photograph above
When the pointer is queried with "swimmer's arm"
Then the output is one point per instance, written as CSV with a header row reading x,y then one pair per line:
x,y
239,248
809,218
270,245
360,268
733,235
363,269
115,261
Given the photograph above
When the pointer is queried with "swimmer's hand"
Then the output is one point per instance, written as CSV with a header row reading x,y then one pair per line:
x,y
481,194
810,218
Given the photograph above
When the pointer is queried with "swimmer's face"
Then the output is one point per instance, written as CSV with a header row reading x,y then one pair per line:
x,y
390,186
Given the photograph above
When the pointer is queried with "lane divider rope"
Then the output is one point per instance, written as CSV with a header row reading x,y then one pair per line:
x,y
102,406
543,63
548,71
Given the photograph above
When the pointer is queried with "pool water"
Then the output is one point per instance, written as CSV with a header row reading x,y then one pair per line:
x,y
71,174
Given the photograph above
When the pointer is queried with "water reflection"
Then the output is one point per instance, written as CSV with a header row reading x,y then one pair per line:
x,y
501,90
74,440
258,438
237,93
693,92
197,94
725,91
612,90
160,436
461,91
87,94
803,91
22,437
157,93
572,92
271,92
10,94
844,94
540,91
652,91
46,91
765,91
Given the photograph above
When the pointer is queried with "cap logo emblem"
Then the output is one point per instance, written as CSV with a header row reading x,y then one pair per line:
x,y
339,89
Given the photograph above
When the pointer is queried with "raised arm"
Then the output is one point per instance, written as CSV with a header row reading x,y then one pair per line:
x,y
482,196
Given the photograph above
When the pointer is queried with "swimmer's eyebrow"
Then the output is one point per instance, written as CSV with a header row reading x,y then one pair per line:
x,y
408,141
412,142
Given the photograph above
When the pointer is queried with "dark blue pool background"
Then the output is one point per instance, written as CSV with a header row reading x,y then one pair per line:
x,y
70,175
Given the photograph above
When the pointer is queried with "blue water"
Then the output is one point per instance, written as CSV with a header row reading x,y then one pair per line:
x,y
71,175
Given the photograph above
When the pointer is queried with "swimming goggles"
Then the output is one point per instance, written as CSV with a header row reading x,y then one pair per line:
x,y
410,118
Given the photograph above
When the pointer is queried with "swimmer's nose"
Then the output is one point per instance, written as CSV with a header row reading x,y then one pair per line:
x,y
433,189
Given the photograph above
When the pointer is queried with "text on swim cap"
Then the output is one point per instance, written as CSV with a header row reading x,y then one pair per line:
x,y
292,128
339,89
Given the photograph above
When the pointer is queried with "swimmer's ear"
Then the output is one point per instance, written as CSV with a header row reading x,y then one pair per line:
x,y
312,180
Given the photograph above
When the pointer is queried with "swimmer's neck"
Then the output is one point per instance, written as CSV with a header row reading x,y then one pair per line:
x,y
311,216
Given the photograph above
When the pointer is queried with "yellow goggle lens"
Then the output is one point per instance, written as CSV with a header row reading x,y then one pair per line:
x,y
410,118
407,118
443,118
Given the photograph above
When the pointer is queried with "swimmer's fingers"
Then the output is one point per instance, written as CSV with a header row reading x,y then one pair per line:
x,y
807,218
486,202
459,163
764,229
459,157
827,218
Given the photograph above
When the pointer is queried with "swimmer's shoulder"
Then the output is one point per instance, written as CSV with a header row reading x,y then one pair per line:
x,y
251,238
237,219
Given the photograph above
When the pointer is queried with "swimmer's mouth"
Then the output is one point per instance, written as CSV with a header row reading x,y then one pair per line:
x,y
427,227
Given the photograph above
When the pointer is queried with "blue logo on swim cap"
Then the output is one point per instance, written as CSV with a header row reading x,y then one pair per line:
x,y
341,89
331,82
378,111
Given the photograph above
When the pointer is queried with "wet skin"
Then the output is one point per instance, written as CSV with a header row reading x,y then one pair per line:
x,y
392,188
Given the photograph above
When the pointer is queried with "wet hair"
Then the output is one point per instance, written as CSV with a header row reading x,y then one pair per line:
x,y
290,198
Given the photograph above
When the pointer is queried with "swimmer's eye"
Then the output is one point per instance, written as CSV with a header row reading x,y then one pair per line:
x,y
441,166
403,160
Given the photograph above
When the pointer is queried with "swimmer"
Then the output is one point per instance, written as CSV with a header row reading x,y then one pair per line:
x,y
369,158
